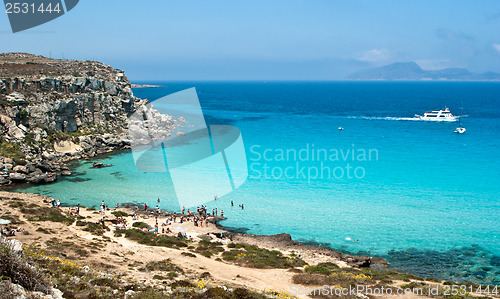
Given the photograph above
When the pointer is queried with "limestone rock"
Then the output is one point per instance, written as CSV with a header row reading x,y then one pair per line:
x,y
14,176
20,169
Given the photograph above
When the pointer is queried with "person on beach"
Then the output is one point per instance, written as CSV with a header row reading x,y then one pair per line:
x,y
222,214
232,204
158,200
78,209
145,207
117,205
102,204
183,209
58,203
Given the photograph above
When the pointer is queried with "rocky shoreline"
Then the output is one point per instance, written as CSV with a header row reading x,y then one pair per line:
x,y
53,111
284,242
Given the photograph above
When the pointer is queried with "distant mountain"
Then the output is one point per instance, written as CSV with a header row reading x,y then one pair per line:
x,y
411,71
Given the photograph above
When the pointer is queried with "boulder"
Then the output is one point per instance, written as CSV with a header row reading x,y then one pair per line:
x,y
15,245
41,178
100,165
110,87
20,169
14,176
16,98
57,294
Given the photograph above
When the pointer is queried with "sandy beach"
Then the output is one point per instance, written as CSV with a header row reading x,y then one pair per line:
x,y
127,259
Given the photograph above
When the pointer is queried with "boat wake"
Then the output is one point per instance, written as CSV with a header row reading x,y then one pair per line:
x,y
387,118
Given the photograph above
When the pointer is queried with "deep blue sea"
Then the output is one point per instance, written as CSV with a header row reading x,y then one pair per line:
x,y
422,197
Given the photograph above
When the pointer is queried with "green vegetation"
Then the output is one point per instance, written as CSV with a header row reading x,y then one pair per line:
x,y
208,249
141,225
13,219
165,265
255,257
188,254
24,115
18,270
53,214
12,150
151,239
44,230
322,268
54,135
119,214
95,228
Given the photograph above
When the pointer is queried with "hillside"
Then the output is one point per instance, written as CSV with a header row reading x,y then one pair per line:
x,y
413,72
52,111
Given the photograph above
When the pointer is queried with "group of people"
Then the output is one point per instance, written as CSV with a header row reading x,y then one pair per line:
x,y
75,211
55,203
8,232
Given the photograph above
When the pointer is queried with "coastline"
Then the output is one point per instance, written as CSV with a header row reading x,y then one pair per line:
x,y
133,85
80,240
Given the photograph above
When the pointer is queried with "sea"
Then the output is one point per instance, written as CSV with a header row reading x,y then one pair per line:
x,y
413,192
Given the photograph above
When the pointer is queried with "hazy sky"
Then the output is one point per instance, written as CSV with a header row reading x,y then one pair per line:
x,y
267,40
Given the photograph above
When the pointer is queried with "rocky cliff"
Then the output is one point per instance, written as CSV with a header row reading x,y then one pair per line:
x,y
52,111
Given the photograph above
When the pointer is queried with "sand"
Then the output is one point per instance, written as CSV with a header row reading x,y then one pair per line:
x,y
118,255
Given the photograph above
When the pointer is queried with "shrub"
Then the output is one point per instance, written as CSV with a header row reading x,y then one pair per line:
x,y
95,228
182,284
318,270
43,230
13,219
13,151
140,224
165,265
120,214
312,279
189,254
47,214
150,238
253,256
19,271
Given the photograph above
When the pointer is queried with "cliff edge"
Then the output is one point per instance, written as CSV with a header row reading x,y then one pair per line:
x,y
52,111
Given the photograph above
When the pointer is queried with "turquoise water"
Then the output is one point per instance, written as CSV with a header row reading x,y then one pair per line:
x,y
421,196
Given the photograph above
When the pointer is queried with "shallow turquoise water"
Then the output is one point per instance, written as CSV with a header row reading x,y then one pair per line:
x,y
426,193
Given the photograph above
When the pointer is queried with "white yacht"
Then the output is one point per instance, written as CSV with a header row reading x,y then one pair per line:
x,y
438,115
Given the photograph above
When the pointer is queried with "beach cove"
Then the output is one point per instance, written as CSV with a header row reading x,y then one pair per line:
x,y
400,210
119,246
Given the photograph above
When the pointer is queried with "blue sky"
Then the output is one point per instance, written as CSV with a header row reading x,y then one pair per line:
x,y
267,40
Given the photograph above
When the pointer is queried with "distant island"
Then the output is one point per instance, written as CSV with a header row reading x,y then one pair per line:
x,y
411,71
144,85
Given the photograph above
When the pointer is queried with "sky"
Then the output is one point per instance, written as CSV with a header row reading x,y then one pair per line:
x,y
267,40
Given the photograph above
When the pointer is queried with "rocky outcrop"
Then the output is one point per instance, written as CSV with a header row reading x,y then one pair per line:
x,y
285,242
53,111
